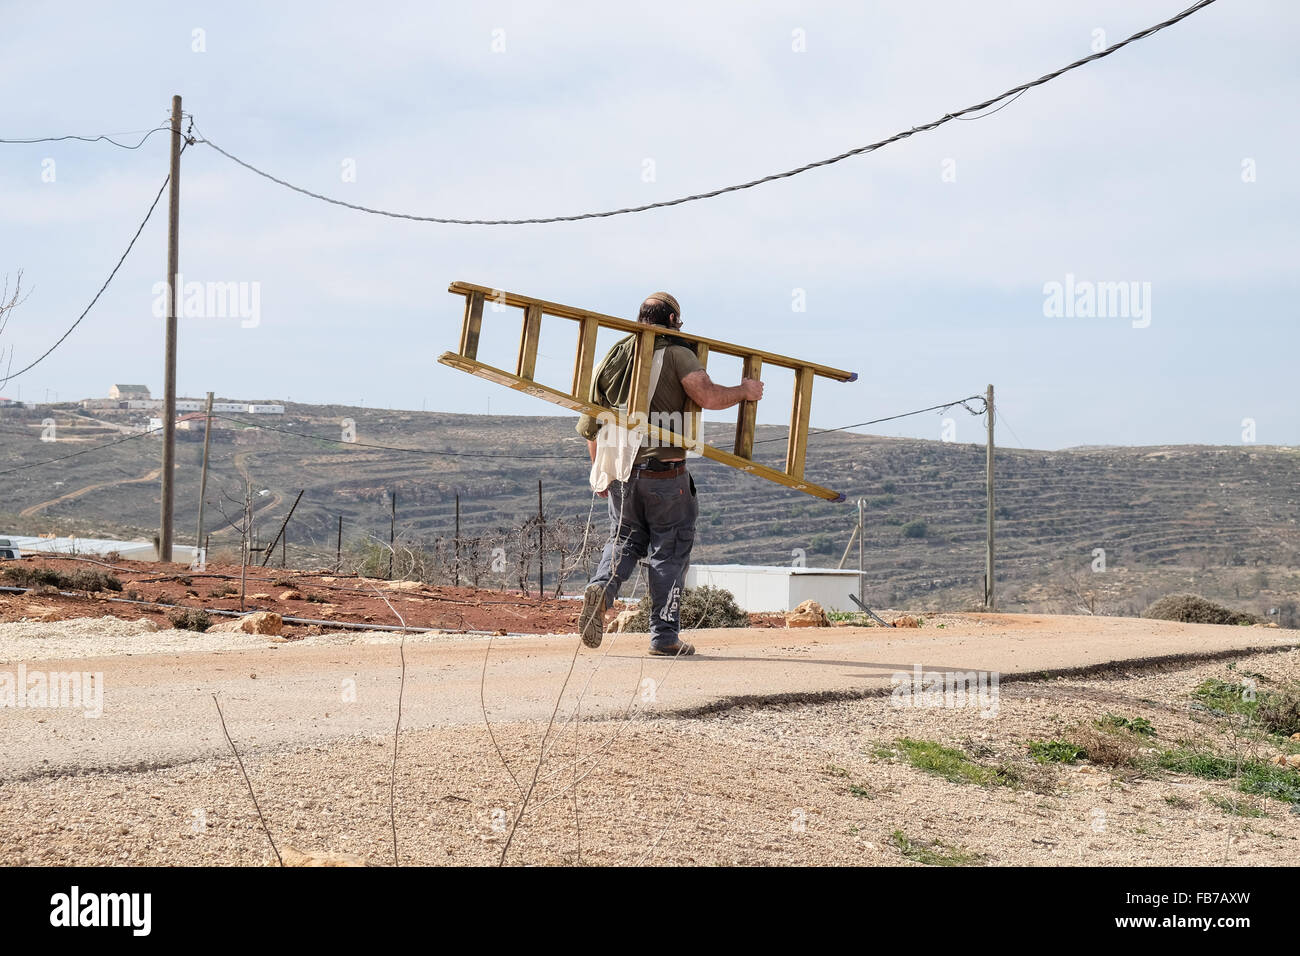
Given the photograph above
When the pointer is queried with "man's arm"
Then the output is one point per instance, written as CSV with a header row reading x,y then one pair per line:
x,y
706,393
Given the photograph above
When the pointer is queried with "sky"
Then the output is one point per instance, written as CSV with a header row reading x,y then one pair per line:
x,y
930,267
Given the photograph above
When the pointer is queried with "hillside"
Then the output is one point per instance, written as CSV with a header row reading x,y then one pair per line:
x,y
1220,521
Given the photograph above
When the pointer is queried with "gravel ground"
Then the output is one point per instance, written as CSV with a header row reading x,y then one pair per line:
x,y
785,784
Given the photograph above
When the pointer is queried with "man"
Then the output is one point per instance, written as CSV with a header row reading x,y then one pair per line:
x,y
652,514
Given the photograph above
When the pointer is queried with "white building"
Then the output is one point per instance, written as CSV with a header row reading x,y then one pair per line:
x,y
127,392
266,409
131,550
759,588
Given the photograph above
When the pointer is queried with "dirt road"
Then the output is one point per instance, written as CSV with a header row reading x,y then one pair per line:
x,y
314,721
72,495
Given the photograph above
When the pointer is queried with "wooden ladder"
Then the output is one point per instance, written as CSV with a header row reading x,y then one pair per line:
x,y
638,413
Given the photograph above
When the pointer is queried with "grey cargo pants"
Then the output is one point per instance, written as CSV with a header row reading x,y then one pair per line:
x,y
651,518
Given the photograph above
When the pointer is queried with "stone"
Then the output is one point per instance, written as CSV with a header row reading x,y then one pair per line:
x,y
291,595
148,626
906,621
1293,761
36,612
807,614
294,857
402,585
259,622
259,596
621,621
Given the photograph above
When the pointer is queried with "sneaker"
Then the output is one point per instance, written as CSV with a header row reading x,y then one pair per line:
x,y
591,622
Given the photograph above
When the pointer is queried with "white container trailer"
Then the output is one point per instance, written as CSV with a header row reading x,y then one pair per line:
x,y
762,588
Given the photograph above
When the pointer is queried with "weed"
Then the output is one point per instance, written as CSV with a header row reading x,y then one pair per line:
x,y
1055,751
1138,725
951,764
932,854
190,619
1235,807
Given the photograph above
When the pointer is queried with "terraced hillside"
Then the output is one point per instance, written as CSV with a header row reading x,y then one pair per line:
x,y
1218,520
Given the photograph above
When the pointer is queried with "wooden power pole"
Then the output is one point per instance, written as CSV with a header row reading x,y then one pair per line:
x,y
541,553
169,369
989,600
203,478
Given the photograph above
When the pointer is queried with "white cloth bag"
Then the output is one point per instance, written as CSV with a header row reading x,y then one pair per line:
x,y
617,446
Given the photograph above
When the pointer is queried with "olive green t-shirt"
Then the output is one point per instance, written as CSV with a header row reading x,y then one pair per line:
x,y
668,404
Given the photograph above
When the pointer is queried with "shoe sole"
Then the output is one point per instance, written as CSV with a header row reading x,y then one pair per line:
x,y
591,623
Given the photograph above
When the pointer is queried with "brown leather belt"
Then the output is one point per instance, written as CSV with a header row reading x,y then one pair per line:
x,y
643,472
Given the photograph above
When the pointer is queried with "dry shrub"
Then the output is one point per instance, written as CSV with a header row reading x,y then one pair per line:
x,y
1120,749
1191,609
705,606
1279,713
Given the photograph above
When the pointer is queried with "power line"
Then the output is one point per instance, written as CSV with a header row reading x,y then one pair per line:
x,y
1003,419
889,418
89,139
413,451
84,451
934,124
86,311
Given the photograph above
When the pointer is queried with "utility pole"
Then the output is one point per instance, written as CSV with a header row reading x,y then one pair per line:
x,y
862,533
169,368
989,600
456,572
541,555
392,534
203,480
338,553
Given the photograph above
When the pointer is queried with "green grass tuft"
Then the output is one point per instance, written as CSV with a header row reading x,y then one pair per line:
x,y
1055,751
932,854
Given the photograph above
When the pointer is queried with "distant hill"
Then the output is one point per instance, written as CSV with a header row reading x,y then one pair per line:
x,y
1220,521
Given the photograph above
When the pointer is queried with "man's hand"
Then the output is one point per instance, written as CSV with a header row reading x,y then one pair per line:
x,y
707,394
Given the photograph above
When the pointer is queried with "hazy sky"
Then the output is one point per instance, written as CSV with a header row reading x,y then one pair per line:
x,y
922,266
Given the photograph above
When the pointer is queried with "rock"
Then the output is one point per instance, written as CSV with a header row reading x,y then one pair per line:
x,y
1296,735
402,585
1278,760
807,614
1293,761
36,612
906,621
291,595
147,625
621,621
259,596
293,857
259,622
